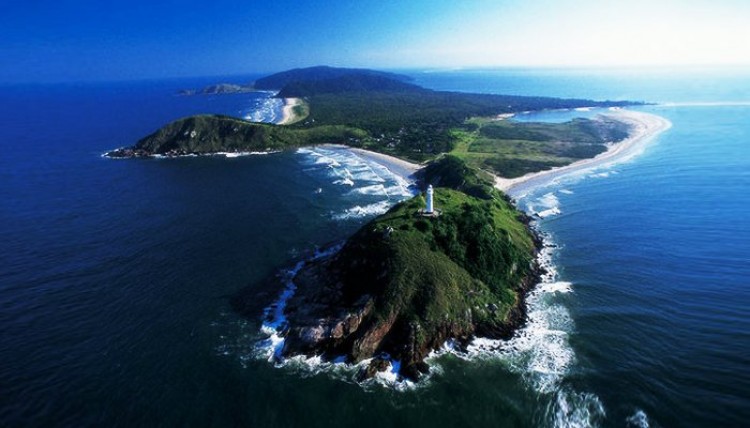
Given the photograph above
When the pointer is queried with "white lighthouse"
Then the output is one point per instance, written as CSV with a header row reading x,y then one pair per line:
x,y
430,208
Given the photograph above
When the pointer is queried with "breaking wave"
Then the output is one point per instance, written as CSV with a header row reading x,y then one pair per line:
x,y
374,188
265,109
638,420
359,211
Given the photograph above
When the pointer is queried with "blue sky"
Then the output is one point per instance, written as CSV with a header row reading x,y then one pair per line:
x,y
73,40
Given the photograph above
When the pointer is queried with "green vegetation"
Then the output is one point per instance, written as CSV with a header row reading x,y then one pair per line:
x,y
416,281
452,172
443,269
512,149
320,73
384,112
211,134
418,124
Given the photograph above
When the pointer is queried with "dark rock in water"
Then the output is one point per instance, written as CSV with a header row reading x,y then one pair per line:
x,y
376,366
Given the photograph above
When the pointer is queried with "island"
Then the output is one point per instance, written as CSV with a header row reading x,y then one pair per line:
x,y
422,273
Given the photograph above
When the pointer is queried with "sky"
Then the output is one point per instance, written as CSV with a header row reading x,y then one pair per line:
x,y
85,40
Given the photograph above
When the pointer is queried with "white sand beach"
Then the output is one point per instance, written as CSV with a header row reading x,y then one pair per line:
x,y
398,166
645,127
288,111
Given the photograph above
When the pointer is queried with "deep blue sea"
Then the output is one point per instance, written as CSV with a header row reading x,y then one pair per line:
x,y
117,276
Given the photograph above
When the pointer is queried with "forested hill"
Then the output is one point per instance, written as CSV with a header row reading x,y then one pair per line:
x,y
324,73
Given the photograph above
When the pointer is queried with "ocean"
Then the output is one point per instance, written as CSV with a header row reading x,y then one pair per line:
x,y
117,277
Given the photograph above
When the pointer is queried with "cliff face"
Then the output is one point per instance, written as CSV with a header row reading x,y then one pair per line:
x,y
405,283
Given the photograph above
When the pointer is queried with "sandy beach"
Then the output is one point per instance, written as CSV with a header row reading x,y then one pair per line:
x,y
645,127
397,166
288,111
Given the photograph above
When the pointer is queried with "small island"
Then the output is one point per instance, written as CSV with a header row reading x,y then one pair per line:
x,y
407,282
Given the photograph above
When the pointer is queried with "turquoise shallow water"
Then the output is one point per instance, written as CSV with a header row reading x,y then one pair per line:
x,y
116,276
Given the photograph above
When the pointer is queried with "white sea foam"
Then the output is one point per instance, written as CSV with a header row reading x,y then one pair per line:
x,y
572,409
638,420
556,287
344,181
367,179
375,189
265,109
364,211
548,213
549,205
239,154
566,191
549,200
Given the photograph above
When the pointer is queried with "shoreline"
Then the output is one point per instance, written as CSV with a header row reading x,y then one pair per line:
x,y
646,126
287,112
396,165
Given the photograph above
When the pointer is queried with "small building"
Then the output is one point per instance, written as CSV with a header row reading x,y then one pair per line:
x,y
429,209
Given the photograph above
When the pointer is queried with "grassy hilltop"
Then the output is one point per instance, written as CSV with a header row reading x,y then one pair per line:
x,y
404,283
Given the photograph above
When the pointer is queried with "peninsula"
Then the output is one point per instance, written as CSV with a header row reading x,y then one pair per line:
x,y
407,282
387,113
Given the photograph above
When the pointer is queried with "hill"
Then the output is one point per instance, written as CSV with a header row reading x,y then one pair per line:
x,y
322,73
207,134
405,283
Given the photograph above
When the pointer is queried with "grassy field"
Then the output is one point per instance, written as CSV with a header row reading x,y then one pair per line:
x,y
512,149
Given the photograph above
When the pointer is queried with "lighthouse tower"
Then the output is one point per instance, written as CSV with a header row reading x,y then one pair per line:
x,y
430,208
